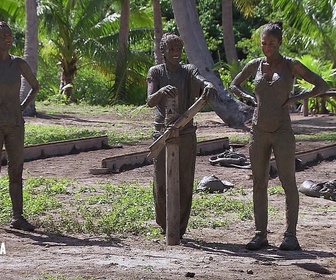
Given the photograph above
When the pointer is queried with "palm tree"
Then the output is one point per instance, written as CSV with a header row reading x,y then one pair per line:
x,y
24,13
157,31
77,29
120,78
246,8
30,51
314,22
12,9
228,35
89,30
135,35
325,71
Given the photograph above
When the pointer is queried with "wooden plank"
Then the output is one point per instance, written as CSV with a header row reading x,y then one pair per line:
x,y
130,161
313,155
61,148
125,162
213,146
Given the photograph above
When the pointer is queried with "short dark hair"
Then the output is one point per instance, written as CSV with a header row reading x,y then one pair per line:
x,y
273,28
4,24
168,37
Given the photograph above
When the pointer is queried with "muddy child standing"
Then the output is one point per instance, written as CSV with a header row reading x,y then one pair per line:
x,y
11,121
271,129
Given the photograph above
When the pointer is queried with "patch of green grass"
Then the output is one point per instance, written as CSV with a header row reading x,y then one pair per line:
x,y
238,138
41,134
326,208
52,108
116,133
39,196
324,136
218,210
58,276
6,208
128,136
61,205
276,190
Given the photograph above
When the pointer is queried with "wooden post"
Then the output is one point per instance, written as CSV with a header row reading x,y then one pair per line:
x,y
172,190
305,107
170,140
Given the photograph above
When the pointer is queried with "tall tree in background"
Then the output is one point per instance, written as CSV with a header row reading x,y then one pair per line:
x,y
135,36
245,7
157,31
119,91
232,111
78,29
30,51
228,35
24,13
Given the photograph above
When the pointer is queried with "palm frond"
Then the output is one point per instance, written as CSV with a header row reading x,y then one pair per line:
x,y
14,10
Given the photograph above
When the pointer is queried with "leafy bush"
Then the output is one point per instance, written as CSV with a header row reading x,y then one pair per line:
x,y
90,86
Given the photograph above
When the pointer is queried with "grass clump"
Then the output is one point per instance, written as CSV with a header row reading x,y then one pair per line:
x,y
218,210
58,276
323,136
42,134
63,206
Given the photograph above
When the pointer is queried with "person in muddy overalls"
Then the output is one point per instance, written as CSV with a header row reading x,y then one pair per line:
x,y
11,121
271,129
175,85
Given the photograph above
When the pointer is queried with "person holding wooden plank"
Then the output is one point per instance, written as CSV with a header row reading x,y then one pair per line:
x,y
172,88
11,121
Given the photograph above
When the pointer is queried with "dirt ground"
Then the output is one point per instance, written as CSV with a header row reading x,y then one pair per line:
x,y
203,254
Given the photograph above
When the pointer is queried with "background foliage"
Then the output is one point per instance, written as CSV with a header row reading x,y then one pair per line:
x,y
94,39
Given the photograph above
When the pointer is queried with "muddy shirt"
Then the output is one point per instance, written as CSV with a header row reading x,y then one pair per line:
x,y
10,83
269,114
188,82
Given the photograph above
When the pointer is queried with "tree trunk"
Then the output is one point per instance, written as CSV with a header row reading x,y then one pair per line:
x,y
324,109
30,51
68,72
157,31
120,77
229,41
233,112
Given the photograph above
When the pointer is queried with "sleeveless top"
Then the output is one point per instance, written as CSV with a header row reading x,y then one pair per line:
x,y
10,83
189,84
269,115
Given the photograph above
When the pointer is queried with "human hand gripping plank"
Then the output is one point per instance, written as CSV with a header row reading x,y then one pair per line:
x,y
186,117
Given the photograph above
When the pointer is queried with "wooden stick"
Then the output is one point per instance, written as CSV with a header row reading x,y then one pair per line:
x,y
157,146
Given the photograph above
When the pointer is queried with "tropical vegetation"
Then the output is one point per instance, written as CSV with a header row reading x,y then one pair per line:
x,y
99,52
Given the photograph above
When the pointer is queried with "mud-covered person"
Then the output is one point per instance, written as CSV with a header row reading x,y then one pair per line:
x,y
11,121
271,129
175,86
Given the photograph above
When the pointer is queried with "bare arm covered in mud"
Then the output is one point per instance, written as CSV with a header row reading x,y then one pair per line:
x,y
27,73
320,85
241,77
